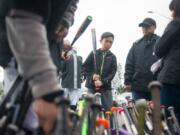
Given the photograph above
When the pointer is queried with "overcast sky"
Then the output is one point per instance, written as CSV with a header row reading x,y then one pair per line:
x,y
120,17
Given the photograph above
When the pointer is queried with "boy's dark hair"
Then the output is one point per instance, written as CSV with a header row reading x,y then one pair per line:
x,y
106,35
175,6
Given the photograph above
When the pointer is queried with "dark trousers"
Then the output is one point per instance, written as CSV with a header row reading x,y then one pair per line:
x,y
141,95
106,98
170,95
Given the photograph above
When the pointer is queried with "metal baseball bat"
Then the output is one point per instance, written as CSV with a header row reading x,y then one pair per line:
x,y
125,120
176,124
132,125
82,28
93,31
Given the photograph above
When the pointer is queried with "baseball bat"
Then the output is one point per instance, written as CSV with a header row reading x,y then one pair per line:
x,y
175,121
82,28
171,125
126,121
102,125
94,48
141,107
155,87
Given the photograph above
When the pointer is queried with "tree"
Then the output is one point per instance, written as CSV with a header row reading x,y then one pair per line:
x,y
117,81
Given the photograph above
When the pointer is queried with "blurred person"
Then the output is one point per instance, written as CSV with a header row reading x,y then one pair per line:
x,y
26,30
71,76
168,49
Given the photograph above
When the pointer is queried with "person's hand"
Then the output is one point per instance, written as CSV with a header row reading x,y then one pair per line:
x,y
96,77
61,32
128,88
64,56
47,114
66,47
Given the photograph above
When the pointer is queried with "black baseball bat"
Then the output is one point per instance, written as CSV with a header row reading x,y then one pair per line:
x,y
82,28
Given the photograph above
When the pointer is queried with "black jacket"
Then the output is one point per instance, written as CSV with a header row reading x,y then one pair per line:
x,y
138,63
71,72
168,48
108,70
5,52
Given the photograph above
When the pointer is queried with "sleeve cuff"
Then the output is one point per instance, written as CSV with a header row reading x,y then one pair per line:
x,y
52,96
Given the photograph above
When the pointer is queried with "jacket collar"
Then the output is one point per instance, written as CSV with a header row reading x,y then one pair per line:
x,y
99,51
150,37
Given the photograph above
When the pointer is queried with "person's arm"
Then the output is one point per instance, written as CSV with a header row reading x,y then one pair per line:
x,y
112,73
68,18
129,67
163,45
60,24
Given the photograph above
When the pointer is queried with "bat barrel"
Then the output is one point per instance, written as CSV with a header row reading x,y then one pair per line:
x,y
82,28
155,87
141,107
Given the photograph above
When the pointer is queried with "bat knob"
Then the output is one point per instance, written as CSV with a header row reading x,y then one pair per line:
x,y
108,113
97,94
114,109
141,103
89,97
154,84
121,110
170,108
163,107
103,122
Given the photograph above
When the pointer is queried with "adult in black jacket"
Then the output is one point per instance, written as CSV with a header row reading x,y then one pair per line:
x,y
139,60
100,80
168,48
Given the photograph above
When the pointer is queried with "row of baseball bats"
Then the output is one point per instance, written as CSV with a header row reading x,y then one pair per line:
x,y
139,117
